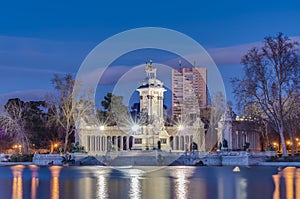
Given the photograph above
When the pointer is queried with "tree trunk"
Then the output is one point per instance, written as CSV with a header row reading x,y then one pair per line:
x,y
284,151
66,141
27,149
51,146
292,143
262,140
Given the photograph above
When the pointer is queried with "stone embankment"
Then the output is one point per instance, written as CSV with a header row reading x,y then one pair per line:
x,y
159,158
225,158
70,159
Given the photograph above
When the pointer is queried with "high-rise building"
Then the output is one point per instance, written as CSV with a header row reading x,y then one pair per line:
x,y
188,91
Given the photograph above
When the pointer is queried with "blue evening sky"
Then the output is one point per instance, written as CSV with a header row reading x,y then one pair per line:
x,y
40,38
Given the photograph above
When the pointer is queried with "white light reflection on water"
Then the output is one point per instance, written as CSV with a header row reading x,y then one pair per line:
x,y
135,191
17,188
241,188
102,191
181,176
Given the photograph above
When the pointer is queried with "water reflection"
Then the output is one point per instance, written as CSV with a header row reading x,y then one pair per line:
x,y
55,170
135,175
17,187
298,183
241,187
102,191
288,175
276,193
34,180
172,182
287,183
181,181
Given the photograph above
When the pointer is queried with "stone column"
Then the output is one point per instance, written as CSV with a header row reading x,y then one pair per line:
x,y
180,142
91,143
99,143
96,143
104,143
87,146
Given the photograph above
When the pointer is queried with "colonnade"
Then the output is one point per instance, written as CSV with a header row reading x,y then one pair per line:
x,y
97,144
181,142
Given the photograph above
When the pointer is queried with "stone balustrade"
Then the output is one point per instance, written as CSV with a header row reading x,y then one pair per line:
x,y
47,159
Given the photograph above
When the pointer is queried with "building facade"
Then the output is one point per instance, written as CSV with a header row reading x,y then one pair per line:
x,y
189,92
237,133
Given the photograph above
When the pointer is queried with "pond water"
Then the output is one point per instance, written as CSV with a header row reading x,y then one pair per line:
x,y
87,182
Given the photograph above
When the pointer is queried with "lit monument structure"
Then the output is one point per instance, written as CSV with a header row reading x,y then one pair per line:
x,y
148,135
152,134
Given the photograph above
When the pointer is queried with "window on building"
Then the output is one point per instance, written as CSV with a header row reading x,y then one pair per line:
x,y
138,141
163,141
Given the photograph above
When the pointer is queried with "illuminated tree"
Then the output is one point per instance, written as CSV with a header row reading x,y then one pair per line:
x,y
271,80
68,105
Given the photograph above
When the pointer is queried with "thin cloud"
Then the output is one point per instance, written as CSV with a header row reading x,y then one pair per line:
x,y
233,54
31,70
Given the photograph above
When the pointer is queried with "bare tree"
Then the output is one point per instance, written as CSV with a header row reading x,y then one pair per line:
x,y
271,80
68,105
13,123
292,123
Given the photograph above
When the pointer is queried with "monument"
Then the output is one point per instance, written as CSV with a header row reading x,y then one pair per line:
x,y
152,134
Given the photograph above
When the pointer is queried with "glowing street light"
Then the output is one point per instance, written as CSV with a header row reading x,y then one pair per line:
x,y
180,127
276,146
135,127
102,128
